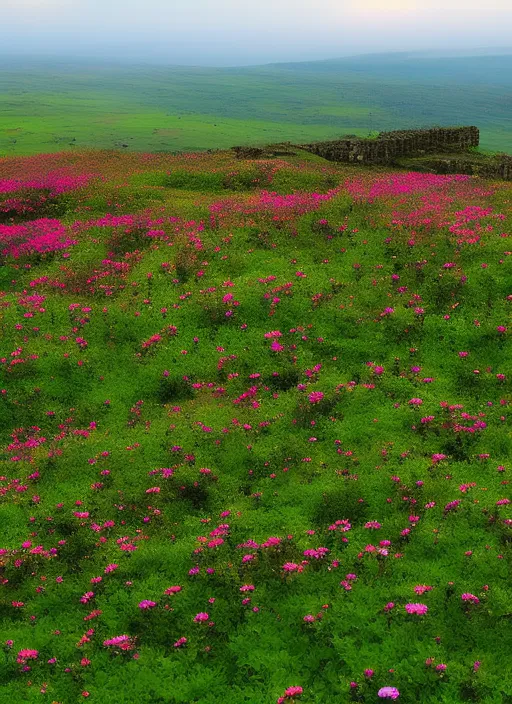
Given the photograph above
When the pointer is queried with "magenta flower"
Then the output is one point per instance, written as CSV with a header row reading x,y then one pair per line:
x,y
27,654
147,604
290,567
388,693
467,596
315,396
293,691
202,616
419,609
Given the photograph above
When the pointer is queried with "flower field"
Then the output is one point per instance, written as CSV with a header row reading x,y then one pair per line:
x,y
255,437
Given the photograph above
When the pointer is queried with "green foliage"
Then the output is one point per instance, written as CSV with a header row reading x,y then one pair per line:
x,y
248,380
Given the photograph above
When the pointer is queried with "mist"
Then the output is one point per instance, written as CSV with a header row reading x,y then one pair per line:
x,y
235,33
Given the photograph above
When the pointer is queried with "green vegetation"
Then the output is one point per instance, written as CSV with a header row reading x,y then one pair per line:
x,y
254,432
53,106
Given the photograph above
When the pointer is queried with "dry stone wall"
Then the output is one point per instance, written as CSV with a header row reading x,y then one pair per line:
x,y
390,146
494,167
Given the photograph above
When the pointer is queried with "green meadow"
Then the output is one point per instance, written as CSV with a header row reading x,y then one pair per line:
x,y
48,106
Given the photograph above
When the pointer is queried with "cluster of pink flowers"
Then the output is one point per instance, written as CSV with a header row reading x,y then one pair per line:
x,y
388,693
34,237
467,596
27,654
123,642
419,609
290,693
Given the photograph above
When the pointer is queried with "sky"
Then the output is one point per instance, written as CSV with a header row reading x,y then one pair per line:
x,y
244,32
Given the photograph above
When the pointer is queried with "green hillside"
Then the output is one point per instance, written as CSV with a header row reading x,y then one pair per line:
x,y
47,106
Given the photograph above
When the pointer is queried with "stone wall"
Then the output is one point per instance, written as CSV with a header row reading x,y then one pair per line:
x,y
390,146
493,167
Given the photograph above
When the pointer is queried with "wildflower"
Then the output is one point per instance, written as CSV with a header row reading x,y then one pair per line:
x,y
290,567
388,693
467,596
27,654
124,642
315,396
147,604
292,692
419,609
452,505
200,617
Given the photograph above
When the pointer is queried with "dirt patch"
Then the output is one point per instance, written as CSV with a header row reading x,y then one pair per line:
x,y
168,132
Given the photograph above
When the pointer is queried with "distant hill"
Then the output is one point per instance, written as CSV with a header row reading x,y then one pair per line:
x,y
49,105
470,70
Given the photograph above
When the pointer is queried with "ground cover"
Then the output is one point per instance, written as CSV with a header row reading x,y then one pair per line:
x,y
254,431
48,106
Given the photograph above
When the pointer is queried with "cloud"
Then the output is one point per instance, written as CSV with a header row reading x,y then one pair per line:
x,y
41,5
240,31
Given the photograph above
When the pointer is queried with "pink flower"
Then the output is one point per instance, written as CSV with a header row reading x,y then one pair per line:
x,y
147,604
452,505
315,396
388,693
27,654
290,567
419,609
372,524
293,691
202,616
467,596
124,642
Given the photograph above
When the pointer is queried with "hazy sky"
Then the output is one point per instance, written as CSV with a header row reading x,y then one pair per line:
x,y
235,32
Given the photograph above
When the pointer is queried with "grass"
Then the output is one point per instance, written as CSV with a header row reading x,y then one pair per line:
x,y
223,372
50,106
